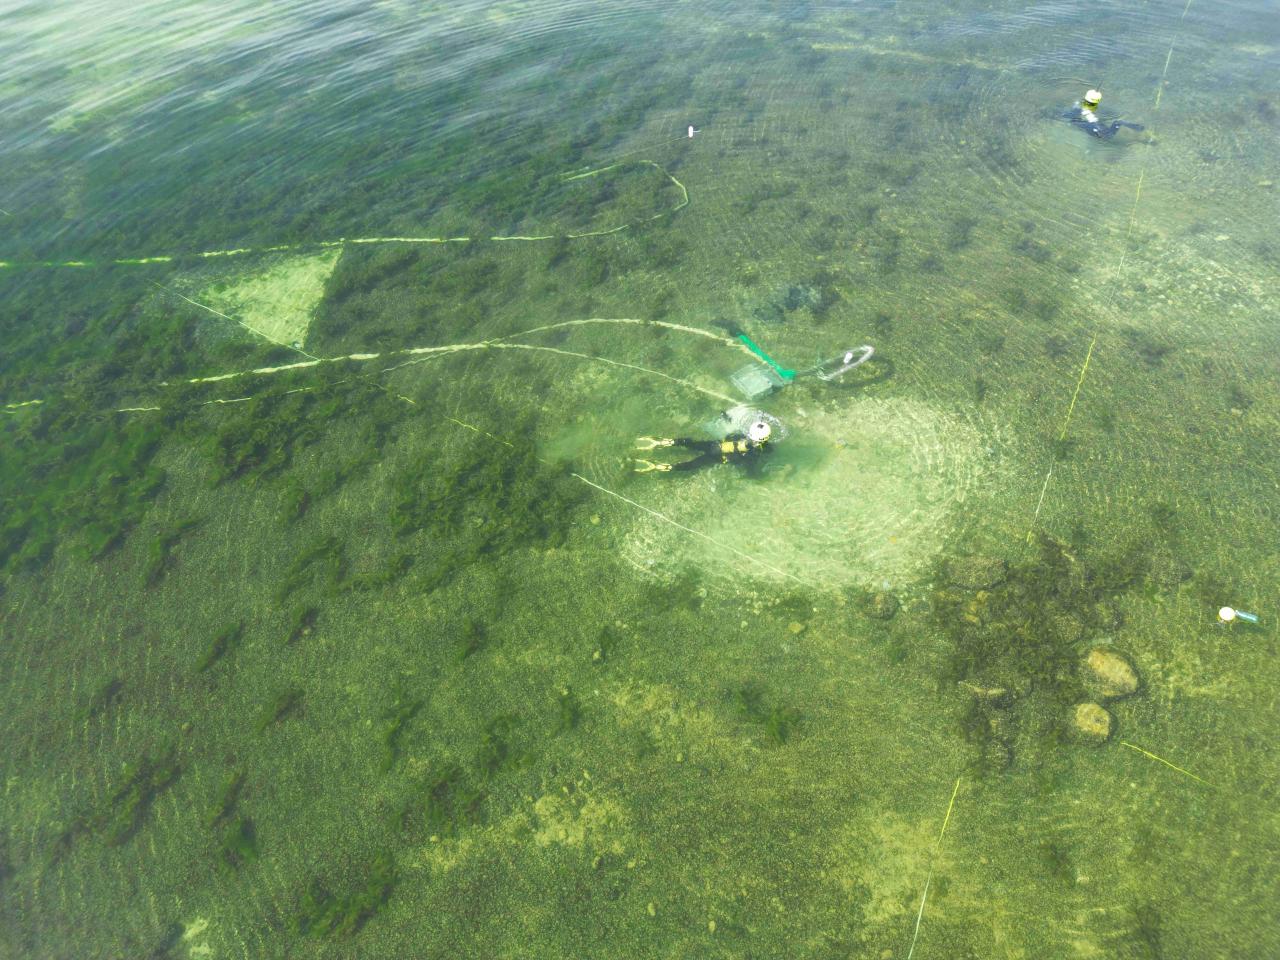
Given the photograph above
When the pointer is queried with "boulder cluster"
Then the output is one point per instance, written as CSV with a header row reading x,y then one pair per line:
x,y
1107,675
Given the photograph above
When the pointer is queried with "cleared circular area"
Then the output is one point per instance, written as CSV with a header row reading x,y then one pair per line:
x,y
862,493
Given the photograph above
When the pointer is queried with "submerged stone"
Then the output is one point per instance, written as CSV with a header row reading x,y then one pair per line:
x,y
882,606
995,696
769,313
997,756
1108,675
976,573
1092,723
796,297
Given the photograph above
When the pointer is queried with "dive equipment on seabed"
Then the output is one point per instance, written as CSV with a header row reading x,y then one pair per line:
x,y
756,382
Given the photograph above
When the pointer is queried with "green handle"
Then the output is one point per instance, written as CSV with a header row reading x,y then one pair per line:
x,y
756,349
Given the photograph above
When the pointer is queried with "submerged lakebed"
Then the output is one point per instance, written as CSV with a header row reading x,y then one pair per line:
x,y
336,621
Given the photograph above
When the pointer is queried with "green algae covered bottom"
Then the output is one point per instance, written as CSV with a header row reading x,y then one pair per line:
x,y
336,622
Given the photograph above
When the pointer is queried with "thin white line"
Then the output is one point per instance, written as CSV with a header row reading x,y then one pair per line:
x,y
920,915
696,533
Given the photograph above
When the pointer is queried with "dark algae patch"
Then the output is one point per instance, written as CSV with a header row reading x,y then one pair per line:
x,y
325,562
1018,632
123,812
391,725
302,621
239,845
282,704
568,711
776,720
89,485
324,913
228,796
493,495
497,745
471,638
222,643
443,803
160,553
104,698
128,806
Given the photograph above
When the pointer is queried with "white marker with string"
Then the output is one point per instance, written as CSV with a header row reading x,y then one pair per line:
x,y
1231,615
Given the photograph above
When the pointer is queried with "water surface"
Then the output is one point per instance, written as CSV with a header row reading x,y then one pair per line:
x,y
336,621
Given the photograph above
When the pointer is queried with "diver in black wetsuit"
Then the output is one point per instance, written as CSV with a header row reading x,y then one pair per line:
x,y
1085,114
746,449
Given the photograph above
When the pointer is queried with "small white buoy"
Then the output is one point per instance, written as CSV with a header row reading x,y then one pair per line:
x,y
1230,614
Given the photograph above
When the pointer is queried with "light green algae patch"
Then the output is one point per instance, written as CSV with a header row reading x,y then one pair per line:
x,y
863,493
193,937
894,874
576,822
277,303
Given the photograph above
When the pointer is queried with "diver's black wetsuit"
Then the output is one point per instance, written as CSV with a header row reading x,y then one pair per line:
x,y
735,447
1103,130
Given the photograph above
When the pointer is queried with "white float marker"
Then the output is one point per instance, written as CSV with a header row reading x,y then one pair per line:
x,y
1230,615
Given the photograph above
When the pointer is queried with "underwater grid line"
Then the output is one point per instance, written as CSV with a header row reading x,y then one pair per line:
x,y
648,510
587,356
425,353
684,328
1124,251
1172,766
354,241
434,352
251,329
495,343
937,846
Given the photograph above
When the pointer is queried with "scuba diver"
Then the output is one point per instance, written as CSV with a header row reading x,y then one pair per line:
x,y
745,449
1085,113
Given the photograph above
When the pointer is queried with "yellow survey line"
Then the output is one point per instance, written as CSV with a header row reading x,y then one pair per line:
x,y
947,819
342,241
1093,342
937,847
1172,766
